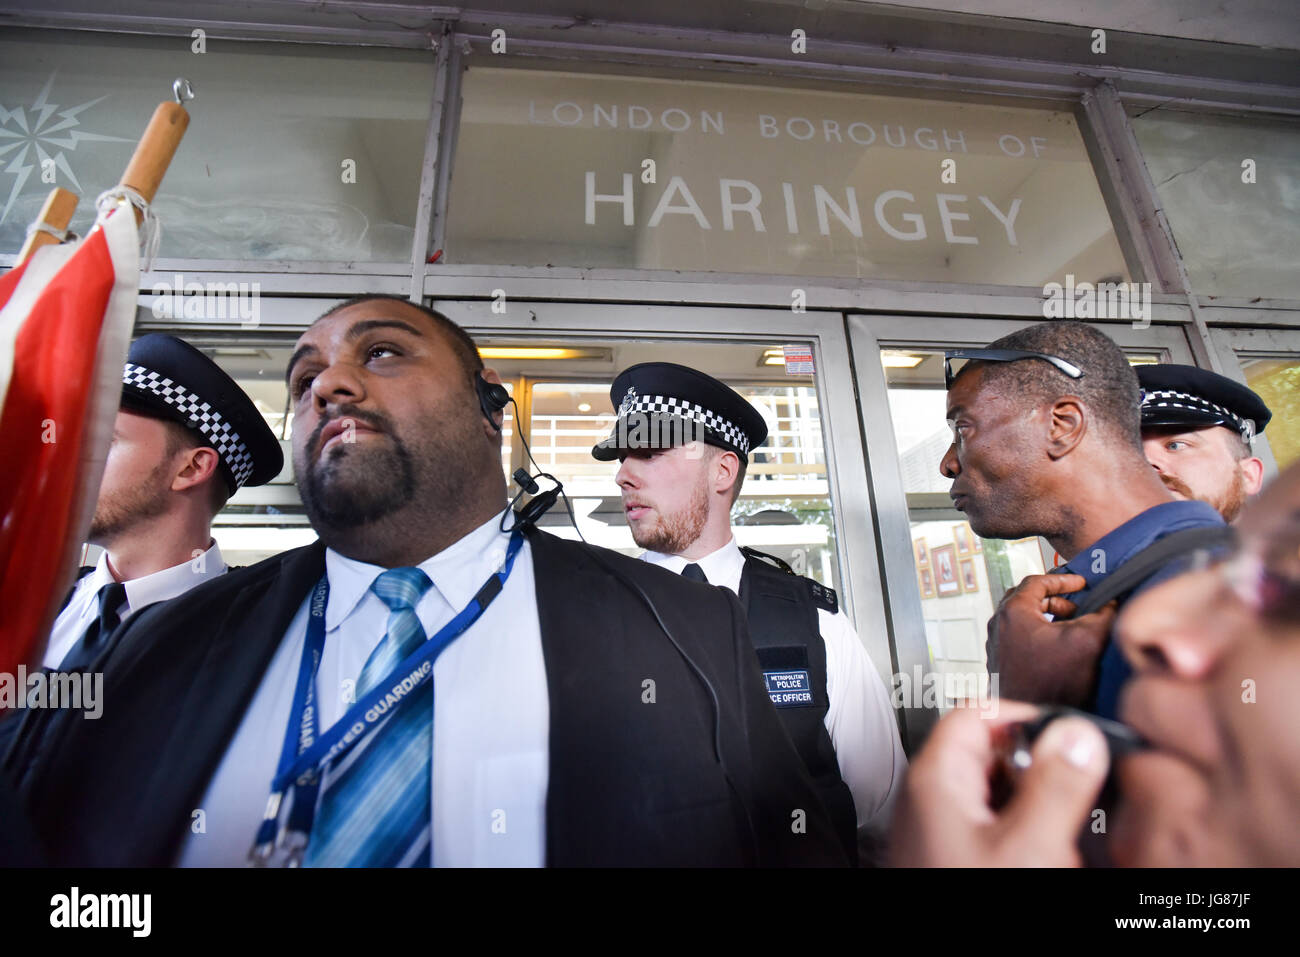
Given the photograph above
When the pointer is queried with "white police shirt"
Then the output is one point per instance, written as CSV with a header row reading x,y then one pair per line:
x,y
491,711
83,606
860,719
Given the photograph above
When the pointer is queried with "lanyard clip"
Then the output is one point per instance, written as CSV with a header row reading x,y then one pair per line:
x,y
295,842
260,853
264,844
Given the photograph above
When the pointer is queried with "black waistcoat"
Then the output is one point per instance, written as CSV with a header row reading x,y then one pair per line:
x,y
786,634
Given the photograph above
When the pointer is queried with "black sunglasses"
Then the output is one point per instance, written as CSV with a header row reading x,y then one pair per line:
x,y
1003,355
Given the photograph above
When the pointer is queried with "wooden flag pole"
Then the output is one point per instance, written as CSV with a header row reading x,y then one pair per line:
x,y
57,213
158,145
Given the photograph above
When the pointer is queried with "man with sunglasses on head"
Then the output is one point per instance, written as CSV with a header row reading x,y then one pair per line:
x,y
1046,442
1216,781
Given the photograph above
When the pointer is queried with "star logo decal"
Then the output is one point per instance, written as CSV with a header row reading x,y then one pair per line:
x,y
43,133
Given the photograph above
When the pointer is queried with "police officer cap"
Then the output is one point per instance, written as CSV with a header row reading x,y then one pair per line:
x,y
1186,395
167,378
661,404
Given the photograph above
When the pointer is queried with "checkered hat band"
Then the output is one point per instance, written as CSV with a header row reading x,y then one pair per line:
x,y
200,415
669,405
1170,399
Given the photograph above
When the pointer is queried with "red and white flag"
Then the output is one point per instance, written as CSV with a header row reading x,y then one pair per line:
x,y
65,323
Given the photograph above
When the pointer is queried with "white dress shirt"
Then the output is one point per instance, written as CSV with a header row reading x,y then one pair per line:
x,y
83,607
491,712
860,719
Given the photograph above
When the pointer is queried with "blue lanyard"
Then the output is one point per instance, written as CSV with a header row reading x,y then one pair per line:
x,y
306,751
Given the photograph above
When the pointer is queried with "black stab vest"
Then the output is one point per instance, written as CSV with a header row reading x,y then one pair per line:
x,y
786,634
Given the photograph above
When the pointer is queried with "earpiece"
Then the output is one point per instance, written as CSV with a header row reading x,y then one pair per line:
x,y
492,398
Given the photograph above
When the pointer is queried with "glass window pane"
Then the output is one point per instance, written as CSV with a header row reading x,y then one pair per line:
x,y
1278,383
962,577
266,167
1237,238
552,168
264,521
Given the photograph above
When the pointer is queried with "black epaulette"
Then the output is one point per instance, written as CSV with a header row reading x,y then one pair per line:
x,y
766,559
822,596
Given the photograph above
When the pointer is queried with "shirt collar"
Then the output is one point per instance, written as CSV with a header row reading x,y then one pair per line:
x,y
1120,544
100,577
162,585
719,567
457,572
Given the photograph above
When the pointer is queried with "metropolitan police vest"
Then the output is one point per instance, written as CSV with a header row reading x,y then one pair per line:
x,y
783,626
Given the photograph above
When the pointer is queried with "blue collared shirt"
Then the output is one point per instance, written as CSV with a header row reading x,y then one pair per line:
x,y
1111,551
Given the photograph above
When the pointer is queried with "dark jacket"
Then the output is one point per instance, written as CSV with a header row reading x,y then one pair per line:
x,y
701,776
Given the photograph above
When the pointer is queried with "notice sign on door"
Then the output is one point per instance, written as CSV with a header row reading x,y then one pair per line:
x,y
798,360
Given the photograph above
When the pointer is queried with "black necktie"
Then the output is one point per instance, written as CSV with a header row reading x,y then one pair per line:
x,y
695,573
111,599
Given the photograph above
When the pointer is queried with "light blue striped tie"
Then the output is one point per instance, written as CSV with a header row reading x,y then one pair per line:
x,y
377,812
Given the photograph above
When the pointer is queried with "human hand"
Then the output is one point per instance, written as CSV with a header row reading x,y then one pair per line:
x,y
946,816
1048,662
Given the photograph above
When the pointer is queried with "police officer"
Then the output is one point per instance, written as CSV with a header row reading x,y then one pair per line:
x,y
185,439
684,439
1198,428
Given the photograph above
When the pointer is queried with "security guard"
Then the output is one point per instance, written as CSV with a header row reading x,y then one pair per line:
x,y
1198,429
185,439
684,440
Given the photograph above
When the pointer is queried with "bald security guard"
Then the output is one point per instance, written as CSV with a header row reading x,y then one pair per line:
x,y
1198,428
684,440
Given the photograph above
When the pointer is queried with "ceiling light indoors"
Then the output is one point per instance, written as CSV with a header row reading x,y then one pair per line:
x,y
230,352
545,353
891,359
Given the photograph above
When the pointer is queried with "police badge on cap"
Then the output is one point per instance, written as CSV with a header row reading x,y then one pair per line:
x,y
662,405
168,378
1185,395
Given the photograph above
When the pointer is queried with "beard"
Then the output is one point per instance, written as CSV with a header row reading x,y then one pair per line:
x,y
1233,499
1228,503
118,512
674,533
354,485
